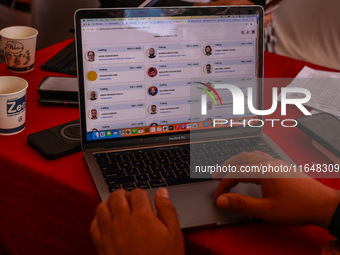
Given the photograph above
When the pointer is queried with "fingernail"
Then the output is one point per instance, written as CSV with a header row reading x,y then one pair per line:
x,y
223,201
163,192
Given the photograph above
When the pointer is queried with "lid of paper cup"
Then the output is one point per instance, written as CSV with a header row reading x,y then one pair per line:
x,y
18,32
11,85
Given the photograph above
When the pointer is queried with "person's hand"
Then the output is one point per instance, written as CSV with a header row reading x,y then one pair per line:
x,y
126,224
293,201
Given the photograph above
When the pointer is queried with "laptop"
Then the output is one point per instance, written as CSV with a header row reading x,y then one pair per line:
x,y
149,88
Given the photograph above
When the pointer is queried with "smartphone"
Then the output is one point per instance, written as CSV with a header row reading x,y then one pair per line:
x,y
57,142
324,129
58,90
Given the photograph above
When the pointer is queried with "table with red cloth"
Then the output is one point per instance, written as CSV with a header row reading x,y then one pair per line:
x,y
46,206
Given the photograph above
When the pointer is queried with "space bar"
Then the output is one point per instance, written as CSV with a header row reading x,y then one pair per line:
x,y
184,180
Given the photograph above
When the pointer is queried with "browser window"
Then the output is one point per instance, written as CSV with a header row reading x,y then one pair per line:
x,y
149,85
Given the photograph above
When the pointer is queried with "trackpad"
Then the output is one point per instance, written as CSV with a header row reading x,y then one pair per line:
x,y
196,205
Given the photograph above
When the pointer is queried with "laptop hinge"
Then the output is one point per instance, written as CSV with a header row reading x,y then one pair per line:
x,y
173,143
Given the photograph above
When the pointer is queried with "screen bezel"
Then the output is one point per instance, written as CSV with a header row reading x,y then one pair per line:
x,y
170,11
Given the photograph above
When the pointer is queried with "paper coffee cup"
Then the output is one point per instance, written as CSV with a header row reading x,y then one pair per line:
x,y
12,104
19,43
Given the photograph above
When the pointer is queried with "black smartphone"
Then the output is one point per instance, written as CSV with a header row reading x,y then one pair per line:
x,y
324,129
58,90
57,142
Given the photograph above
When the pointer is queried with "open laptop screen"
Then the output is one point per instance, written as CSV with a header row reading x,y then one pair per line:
x,y
142,70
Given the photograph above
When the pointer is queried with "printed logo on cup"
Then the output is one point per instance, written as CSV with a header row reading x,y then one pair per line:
x,y
14,47
12,104
16,106
16,57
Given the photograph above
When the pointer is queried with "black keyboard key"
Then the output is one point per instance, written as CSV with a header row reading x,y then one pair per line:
x,y
219,161
128,186
185,158
177,180
102,159
181,173
264,148
199,150
106,167
195,163
172,181
177,152
186,151
233,152
142,177
152,154
112,166
163,161
115,158
207,162
169,167
168,175
175,159
142,185
138,163
125,165
150,162
155,176
140,156
222,154
144,170
128,157
164,153
181,166
211,149
157,169
100,155
184,180
120,180
198,156
113,173
157,183
244,146
114,187
131,171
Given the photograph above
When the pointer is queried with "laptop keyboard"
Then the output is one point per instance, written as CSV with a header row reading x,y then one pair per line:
x,y
167,166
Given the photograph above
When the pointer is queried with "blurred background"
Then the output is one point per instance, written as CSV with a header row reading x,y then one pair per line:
x,y
304,29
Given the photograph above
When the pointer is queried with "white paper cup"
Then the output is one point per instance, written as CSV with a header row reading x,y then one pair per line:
x,y
12,105
19,43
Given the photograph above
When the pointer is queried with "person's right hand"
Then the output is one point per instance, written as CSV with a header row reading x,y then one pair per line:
x,y
126,224
294,201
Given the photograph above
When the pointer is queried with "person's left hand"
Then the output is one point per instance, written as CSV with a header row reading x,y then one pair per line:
x,y
126,224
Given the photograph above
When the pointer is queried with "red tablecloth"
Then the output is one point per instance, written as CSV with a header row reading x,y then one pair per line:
x,y
46,206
